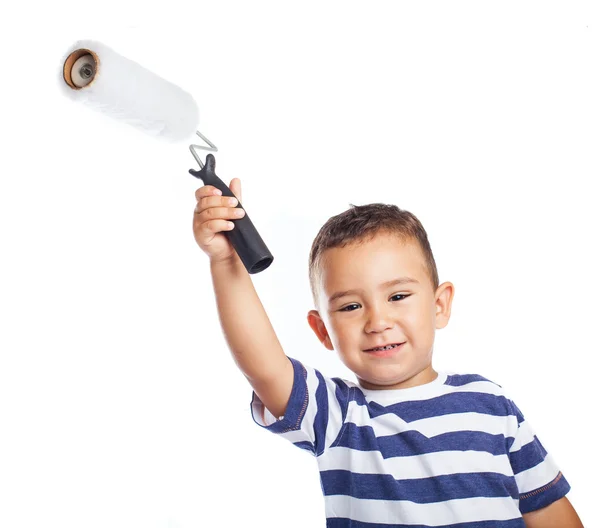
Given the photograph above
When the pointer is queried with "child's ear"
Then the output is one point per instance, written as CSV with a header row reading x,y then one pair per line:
x,y
443,304
316,323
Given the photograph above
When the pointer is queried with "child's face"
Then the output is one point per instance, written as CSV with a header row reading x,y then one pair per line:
x,y
376,315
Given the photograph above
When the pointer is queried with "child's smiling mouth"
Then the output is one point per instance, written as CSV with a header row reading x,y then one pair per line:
x,y
386,351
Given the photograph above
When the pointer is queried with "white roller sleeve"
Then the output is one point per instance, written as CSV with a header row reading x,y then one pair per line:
x,y
126,91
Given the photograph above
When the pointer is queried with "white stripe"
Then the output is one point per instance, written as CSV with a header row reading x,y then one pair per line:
x,y
415,467
524,436
334,422
432,514
485,387
538,476
391,424
269,419
468,421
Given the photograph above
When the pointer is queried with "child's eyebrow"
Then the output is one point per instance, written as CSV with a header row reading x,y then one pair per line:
x,y
393,282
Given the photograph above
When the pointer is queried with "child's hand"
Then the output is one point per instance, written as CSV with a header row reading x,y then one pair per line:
x,y
211,216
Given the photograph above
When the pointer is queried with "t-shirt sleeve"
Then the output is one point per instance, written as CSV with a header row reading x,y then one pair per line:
x,y
538,477
315,412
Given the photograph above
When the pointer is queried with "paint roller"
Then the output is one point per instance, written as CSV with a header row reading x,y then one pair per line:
x,y
98,77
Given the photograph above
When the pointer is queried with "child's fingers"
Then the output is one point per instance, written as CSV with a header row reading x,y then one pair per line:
x,y
207,190
211,190
209,196
214,206
207,230
211,202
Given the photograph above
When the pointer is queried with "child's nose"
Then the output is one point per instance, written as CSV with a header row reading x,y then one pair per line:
x,y
378,321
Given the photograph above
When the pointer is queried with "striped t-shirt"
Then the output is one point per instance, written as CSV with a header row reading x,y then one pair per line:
x,y
453,452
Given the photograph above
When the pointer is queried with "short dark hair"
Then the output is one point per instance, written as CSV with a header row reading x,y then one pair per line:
x,y
361,223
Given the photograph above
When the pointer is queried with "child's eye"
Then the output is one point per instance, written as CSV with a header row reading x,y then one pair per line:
x,y
403,295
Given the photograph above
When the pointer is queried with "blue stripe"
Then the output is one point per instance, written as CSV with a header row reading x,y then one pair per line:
x,y
322,416
454,402
340,522
421,490
297,404
516,411
308,446
544,496
530,455
410,443
456,380
342,393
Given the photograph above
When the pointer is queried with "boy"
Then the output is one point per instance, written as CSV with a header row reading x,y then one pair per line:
x,y
406,445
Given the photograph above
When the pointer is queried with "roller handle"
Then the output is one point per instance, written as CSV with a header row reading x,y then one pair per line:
x,y
244,237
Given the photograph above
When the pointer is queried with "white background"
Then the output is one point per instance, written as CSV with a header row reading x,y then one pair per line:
x,y
120,405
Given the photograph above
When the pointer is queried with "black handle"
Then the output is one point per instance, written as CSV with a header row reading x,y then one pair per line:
x,y
243,237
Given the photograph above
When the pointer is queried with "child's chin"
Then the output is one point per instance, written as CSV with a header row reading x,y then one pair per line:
x,y
383,379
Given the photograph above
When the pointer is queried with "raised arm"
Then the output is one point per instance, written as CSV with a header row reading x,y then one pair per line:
x,y
250,335
248,331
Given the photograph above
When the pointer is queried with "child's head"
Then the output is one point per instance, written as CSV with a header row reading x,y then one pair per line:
x,y
352,258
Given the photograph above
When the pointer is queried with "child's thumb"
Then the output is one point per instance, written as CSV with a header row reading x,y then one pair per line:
x,y
236,188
